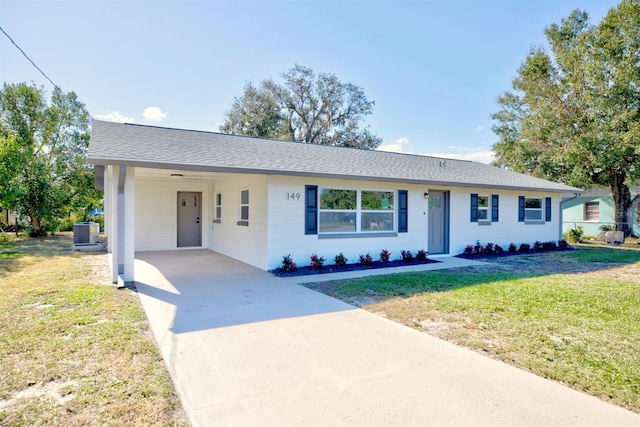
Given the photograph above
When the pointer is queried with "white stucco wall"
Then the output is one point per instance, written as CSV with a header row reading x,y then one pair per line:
x,y
245,243
156,223
286,223
507,229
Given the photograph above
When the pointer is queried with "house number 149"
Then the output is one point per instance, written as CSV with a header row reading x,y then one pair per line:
x,y
293,196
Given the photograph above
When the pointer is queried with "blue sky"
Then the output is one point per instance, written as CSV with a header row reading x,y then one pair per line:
x,y
433,68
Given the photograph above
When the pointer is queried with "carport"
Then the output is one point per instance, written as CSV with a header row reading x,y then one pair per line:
x,y
246,348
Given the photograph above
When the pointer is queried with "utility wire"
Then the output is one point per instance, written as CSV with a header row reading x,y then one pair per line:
x,y
27,56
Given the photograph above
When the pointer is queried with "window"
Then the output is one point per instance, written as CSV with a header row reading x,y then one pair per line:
x,y
244,208
483,208
532,209
352,211
218,216
592,211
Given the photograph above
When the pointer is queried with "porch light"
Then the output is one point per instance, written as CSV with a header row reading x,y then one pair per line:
x,y
426,195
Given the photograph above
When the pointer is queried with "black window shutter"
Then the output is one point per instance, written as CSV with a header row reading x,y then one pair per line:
x,y
547,208
474,207
494,208
311,209
403,211
520,208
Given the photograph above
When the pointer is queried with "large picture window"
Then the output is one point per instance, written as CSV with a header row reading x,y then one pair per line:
x,y
352,211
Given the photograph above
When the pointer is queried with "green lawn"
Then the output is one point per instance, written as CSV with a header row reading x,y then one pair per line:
x,y
74,350
581,329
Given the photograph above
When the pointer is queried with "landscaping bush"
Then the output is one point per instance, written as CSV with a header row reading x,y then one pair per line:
x,y
549,246
287,264
575,235
478,248
421,255
562,244
366,259
340,260
524,247
468,249
498,249
384,256
489,248
317,262
537,246
407,256
512,247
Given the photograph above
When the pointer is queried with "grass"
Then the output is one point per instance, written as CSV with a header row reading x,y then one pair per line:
x,y
74,350
580,329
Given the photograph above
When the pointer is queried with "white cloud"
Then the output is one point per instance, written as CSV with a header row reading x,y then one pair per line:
x,y
115,116
479,128
154,113
400,145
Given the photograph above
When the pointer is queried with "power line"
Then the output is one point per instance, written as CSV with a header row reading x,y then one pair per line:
x,y
27,56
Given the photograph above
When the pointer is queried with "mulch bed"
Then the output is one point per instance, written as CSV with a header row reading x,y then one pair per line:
x,y
305,271
507,253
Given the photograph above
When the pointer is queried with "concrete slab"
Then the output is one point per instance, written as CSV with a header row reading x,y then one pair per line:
x,y
247,348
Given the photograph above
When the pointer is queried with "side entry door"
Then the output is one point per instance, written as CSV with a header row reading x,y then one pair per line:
x,y
189,219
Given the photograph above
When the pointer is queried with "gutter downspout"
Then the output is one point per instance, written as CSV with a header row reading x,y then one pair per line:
x,y
575,196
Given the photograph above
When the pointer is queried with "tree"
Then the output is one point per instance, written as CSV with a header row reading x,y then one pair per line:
x,y
574,113
42,153
305,108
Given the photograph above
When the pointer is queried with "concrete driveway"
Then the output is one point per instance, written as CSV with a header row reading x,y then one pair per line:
x,y
246,348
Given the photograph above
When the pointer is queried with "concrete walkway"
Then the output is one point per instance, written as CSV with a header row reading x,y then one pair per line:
x,y
246,348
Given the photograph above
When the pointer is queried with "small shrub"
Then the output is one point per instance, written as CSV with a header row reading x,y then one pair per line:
x,y
384,256
549,246
317,262
478,248
287,264
366,259
512,247
524,247
607,227
562,244
537,246
575,235
498,249
468,249
489,248
340,260
407,256
421,255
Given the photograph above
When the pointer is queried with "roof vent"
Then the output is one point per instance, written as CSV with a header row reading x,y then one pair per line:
x,y
443,163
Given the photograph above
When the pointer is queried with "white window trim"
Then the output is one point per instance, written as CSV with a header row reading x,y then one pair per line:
x,y
243,221
487,209
540,209
217,218
358,213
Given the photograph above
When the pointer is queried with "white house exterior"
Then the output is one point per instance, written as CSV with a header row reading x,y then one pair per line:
x,y
257,200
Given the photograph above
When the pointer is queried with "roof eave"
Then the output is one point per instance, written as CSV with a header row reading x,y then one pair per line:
x,y
257,171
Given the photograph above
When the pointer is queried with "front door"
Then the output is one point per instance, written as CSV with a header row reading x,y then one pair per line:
x,y
438,222
189,214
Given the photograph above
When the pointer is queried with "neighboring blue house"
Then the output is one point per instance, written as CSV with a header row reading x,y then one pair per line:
x,y
594,209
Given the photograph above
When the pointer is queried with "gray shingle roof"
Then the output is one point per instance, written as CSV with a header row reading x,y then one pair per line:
x,y
157,147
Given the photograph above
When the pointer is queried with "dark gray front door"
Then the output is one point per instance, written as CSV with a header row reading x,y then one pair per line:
x,y
438,222
189,215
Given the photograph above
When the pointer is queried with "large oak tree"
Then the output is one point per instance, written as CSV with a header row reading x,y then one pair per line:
x,y
574,112
305,107
43,150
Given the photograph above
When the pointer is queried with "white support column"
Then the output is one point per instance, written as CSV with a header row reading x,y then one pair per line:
x,y
128,225
114,244
107,201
